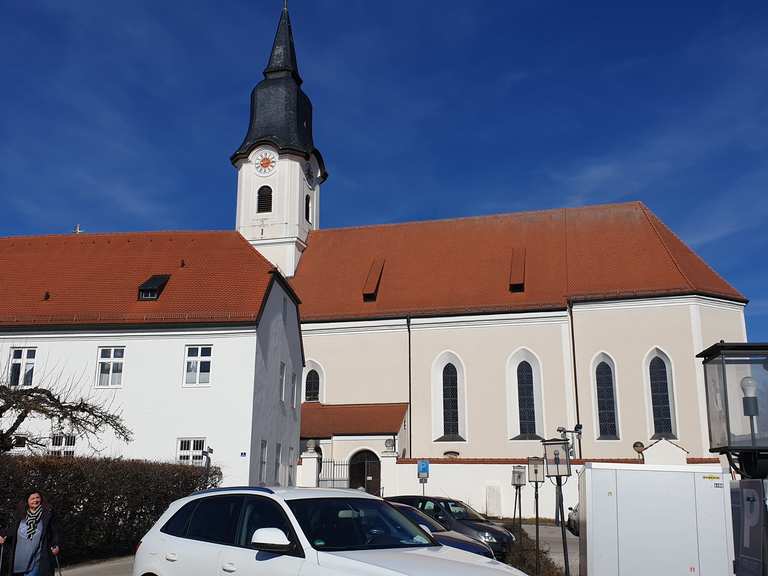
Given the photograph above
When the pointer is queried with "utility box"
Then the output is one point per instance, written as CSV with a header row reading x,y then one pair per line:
x,y
638,519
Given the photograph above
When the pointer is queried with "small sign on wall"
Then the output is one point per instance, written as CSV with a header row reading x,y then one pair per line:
x,y
422,469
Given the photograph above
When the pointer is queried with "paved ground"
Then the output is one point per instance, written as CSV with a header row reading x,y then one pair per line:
x,y
118,567
551,539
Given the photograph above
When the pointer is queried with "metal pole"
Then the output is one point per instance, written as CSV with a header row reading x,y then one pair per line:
x,y
562,525
514,508
536,497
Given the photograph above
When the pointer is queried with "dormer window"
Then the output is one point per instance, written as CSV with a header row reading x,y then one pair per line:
x,y
153,287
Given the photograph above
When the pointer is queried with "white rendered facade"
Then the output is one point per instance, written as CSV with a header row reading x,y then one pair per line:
x,y
238,408
368,362
280,233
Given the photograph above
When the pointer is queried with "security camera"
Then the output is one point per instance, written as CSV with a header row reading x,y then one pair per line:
x,y
577,428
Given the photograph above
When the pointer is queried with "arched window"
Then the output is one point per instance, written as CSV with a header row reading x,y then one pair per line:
x,y
526,400
308,209
264,200
661,398
450,402
606,402
312,387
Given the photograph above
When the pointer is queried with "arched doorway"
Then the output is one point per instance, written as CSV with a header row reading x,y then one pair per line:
x,y
365,472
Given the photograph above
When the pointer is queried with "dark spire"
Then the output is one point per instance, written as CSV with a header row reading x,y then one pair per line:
x,y
281,114
283,58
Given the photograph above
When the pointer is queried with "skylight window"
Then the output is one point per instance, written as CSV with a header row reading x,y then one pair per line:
x,y
153,287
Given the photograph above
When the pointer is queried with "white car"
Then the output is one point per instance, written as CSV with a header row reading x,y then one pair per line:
x,y
297,532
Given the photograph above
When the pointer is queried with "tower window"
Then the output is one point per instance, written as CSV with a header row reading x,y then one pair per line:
x,y
264,201
312,386
308,209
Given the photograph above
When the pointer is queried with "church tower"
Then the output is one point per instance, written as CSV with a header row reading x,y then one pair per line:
x,y
279,170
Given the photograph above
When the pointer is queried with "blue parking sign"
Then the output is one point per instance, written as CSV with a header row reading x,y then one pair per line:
x,y
423,469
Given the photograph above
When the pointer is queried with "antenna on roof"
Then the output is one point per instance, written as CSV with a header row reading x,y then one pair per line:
x,y
285,5
77,229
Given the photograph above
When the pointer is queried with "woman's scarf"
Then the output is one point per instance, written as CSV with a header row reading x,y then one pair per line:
x,y
33,519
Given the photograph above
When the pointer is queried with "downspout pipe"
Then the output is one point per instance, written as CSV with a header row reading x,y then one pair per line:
x,y
575,374
410,390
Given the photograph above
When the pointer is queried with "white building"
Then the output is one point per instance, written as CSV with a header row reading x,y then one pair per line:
x,y
206,354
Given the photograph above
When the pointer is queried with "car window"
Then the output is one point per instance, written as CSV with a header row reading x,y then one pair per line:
x,y
428,507
337,524
215,519
177,525
262,513
418,517
461,511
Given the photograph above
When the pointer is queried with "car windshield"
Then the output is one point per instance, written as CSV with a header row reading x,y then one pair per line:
x,y
461,511
343,524
418,517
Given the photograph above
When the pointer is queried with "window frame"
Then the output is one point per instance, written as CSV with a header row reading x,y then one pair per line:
x,y
111,362
657,352
197,359
23,362
270,201
438,428
233,544
514,433
306,377
597,360
278,463
294,393
65,448
191,451
263,462
297,549
282,377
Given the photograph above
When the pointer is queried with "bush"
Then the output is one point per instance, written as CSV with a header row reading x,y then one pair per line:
x,y
104,506
523,555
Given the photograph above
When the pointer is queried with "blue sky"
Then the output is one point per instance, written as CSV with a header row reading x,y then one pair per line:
x,y
122,116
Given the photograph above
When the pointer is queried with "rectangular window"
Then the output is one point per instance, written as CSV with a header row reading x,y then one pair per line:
x,y
62,445
285,310
263,463
291,464
198,366
22,366
110,373
282,381
278,462
190,451
293,390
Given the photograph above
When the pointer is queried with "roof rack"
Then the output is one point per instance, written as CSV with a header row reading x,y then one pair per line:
x,y
263,489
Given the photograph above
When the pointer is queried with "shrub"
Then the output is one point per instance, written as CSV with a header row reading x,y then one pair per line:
x,y
523,555
104,505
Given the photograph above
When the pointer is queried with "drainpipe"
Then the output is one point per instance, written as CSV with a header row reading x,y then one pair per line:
x,y
575,374
410,386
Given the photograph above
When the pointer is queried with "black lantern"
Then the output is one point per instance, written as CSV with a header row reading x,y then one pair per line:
x,y
535,469
557,457
518,476
736,377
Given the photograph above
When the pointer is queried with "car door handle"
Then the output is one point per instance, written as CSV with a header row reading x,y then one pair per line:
x,y
229,567
171,557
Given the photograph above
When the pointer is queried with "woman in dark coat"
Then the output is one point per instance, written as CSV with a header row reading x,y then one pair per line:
x,y
31,542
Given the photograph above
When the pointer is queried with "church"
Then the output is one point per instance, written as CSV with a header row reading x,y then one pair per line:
x,y
464,341
472,339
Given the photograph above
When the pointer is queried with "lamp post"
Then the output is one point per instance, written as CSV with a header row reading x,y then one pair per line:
x,y
557,458
736,379
518,481
536,477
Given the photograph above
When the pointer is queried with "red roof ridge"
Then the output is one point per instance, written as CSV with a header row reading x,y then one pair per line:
x,y
357,405
121,234
477,217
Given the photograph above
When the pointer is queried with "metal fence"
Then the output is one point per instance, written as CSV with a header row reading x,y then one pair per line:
x,y
333,474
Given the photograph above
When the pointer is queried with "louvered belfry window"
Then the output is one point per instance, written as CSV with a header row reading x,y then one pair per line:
x,y
662,407
526,399
450,401
606,402
312,387
264,200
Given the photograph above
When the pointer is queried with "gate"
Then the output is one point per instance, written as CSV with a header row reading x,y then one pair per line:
x,y
333,474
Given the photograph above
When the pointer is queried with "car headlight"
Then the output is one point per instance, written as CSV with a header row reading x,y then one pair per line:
x,y
487,537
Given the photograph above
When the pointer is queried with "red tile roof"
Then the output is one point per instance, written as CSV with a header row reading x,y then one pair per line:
x,y
467,265
94,278
327,420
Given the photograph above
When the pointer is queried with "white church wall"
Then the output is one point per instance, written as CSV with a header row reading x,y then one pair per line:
x,y
485,345
631,332
362,362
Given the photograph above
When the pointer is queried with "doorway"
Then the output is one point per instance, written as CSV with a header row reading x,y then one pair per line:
x,y
365,472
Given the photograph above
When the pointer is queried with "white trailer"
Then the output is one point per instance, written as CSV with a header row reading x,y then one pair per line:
x,y
641,520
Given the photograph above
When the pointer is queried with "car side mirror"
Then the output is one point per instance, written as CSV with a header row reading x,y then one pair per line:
x,y
426,529
270,540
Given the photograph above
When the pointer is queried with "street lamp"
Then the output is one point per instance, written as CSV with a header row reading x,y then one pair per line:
x,y
736,377
536,477
518,481
557,458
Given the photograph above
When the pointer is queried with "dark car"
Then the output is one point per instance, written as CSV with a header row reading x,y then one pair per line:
x,y
459,517
439,533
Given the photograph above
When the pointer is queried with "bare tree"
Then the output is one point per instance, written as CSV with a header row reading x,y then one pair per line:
x,y
59,400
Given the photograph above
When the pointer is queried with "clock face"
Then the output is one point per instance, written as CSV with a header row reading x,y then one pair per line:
x,y
309,174
266,162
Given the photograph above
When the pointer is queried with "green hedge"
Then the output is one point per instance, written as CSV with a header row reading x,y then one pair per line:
x,y
104,506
